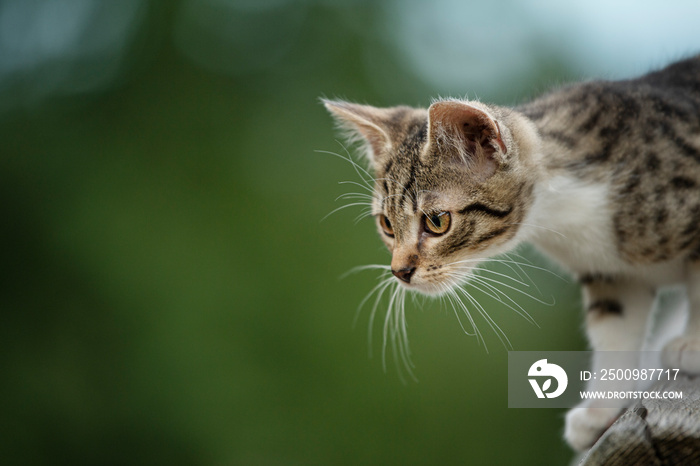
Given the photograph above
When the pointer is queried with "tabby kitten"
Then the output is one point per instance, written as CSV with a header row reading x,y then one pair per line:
x,y
603,177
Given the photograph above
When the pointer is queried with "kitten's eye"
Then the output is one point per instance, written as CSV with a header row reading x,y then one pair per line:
x,y
386,225
437,224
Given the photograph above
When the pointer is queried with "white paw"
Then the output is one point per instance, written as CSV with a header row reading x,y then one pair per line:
x,y
683,353
585,425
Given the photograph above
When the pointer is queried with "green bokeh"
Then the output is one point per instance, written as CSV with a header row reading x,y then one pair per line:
x,y
171,296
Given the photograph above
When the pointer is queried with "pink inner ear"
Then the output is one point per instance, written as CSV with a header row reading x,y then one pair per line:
x,y
499,140
475,126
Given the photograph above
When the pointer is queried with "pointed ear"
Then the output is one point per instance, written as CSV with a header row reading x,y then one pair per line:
x,y
366,123
469,132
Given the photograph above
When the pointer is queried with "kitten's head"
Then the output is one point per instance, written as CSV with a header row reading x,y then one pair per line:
x,y
452,184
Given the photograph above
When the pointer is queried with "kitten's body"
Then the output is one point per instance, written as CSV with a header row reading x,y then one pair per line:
x,y
637,143
604,177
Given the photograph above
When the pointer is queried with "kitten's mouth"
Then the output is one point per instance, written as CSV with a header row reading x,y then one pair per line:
x,y
433,280
427,288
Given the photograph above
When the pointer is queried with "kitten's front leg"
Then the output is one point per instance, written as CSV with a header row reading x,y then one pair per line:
x,y
616,320
684,352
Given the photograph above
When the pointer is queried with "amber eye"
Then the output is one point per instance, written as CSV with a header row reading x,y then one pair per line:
x,y
437,224
386,225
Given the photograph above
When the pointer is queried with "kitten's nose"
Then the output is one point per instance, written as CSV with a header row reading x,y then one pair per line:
x,y
404,273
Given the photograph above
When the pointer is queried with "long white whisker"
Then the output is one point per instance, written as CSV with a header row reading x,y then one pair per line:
x,y
538,226
470,278
518,309
382,283
401,323
367,195
516,264
494,326
366,213
349,159
465,275
401,334
355,196
479,279
481,269
382,200
386,285
371,190
387,321
343,207
504,261
428,217
448,295
361,268
519,275
519,291
356,166
464,308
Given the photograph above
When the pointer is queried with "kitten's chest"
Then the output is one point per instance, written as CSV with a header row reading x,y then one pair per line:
x,y
571,221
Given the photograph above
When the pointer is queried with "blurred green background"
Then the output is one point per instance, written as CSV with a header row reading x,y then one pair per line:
x,y
170,294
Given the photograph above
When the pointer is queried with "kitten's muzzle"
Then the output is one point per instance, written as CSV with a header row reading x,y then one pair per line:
x,y
404,274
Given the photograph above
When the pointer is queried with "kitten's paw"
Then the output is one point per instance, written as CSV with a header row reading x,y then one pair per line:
x,y
683,353
585,425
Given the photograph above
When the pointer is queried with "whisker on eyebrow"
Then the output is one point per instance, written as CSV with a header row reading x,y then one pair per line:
x,y
427,216
354,164
366,213
389,197
357,184
344,207
354,196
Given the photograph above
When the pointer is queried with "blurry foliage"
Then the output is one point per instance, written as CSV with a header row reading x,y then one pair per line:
x,y
170,295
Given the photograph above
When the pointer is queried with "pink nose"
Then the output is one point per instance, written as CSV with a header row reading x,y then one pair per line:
x,y
404,273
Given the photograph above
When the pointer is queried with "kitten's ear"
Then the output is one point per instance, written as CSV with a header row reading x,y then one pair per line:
x,y
363,122
471,133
